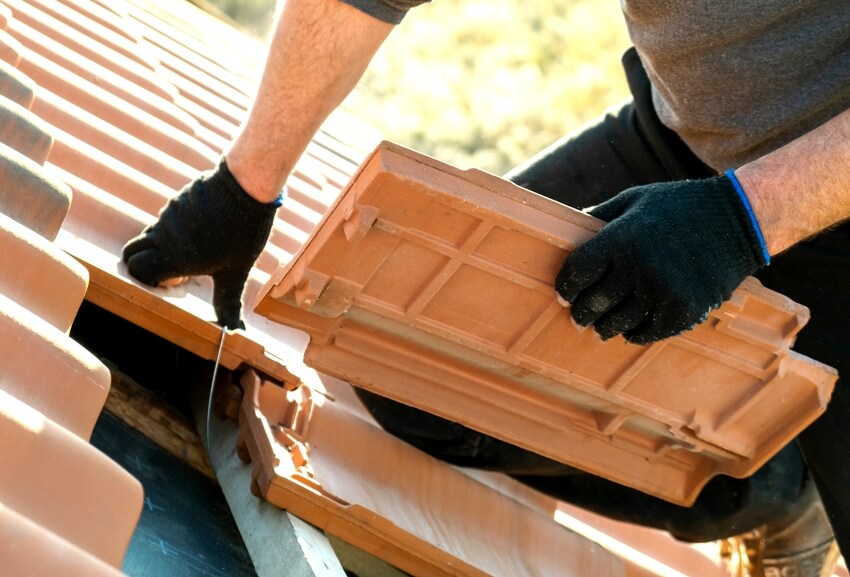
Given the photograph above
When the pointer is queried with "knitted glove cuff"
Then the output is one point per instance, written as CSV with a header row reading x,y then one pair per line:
x,y
227,198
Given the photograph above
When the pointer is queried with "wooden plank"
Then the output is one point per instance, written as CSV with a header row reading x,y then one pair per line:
x,y
165,426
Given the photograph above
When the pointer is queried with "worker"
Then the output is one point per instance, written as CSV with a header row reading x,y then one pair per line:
x,y
731,159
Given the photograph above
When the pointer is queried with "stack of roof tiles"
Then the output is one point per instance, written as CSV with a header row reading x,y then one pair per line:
x,y
137,97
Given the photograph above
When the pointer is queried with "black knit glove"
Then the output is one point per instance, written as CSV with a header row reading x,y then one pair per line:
x,y
669,254
212,227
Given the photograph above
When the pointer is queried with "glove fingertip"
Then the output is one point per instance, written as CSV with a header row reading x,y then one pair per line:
x,y
230,317
579,271
152,267
227,297
608,210
136,245
604,333
143,267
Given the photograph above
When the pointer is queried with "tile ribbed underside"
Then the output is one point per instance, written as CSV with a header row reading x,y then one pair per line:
x,y
434,287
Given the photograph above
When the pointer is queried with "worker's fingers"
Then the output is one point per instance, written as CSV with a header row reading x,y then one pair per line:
x,y
627,315
227,297
614,207
599,298
152,266
582,269
671,320
136,245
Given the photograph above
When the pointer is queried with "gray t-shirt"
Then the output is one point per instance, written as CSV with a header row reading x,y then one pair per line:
x,y
735,79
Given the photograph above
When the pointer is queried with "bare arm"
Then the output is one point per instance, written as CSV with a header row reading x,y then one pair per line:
x,y
802,188
319,50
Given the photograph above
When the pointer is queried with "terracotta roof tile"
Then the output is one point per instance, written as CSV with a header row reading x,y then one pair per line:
x,y
29,260
34,353
31,195
65,508
24,131
433,286
15,85
325,461
93,503
28,549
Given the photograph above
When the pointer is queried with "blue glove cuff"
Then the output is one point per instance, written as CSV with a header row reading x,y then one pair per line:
x,y
730,174
280,198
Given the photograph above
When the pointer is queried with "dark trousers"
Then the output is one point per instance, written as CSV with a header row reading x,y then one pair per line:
x,y
630,147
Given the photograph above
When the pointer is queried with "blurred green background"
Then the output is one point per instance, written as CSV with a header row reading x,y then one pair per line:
x,y
484,83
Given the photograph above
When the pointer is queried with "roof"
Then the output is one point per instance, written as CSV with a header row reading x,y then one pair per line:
x,y
137,96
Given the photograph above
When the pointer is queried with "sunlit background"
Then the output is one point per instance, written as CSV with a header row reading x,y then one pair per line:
x,y
484,83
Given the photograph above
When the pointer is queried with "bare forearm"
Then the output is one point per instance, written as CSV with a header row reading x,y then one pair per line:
x,y
802,188
318,52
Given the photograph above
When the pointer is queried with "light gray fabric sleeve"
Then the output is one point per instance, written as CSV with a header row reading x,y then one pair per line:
x,y
391,11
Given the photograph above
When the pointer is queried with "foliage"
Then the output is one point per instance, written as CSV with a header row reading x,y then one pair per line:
x,y
253,15
487,83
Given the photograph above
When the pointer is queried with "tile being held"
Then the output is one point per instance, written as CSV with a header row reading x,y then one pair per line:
x,y
397,289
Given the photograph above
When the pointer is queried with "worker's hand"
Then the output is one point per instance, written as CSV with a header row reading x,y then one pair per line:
x,y
212,227
670,253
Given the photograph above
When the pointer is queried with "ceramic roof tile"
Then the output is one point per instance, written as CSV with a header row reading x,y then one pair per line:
x,y
434,286
30,550
79,382
163,165
64,507
24,131
29,260
195,36
31,195
98,15
323,460
93,503
120,73
15,85
91,41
